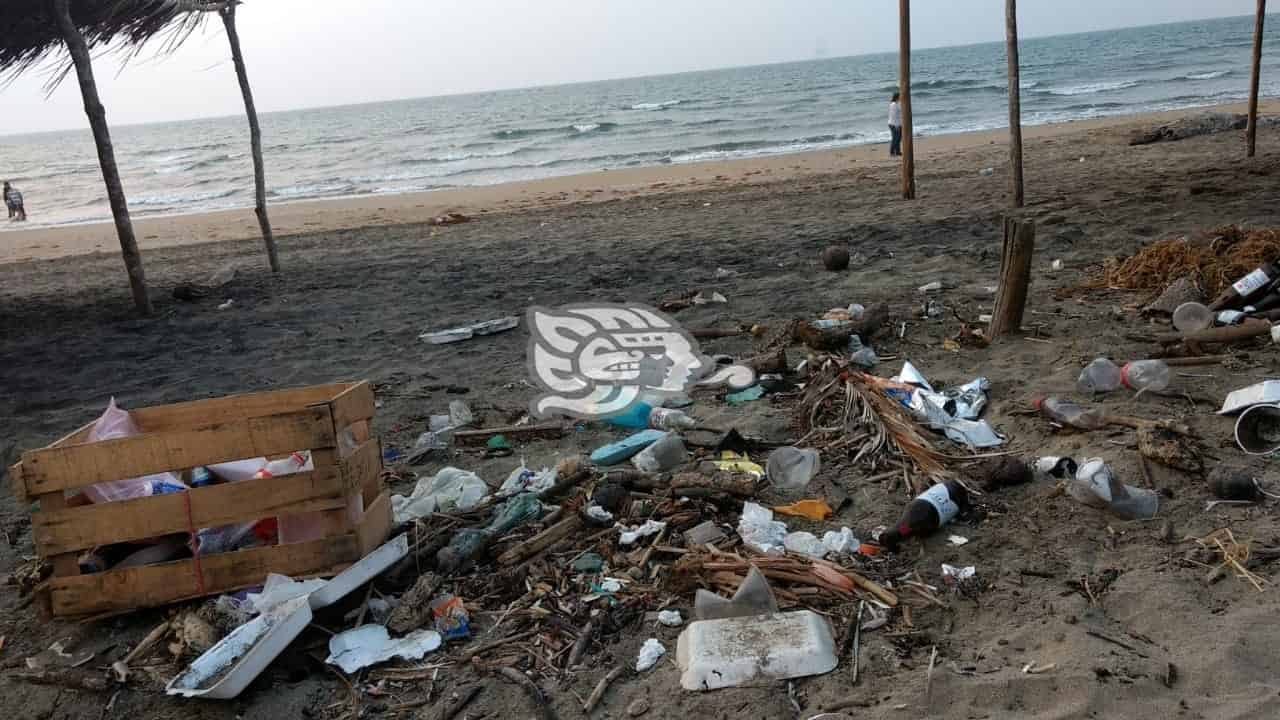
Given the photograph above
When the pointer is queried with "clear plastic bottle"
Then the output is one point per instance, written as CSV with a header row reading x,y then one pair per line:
x,y
671,420
1151,375
1071,414
1100,376
1192,316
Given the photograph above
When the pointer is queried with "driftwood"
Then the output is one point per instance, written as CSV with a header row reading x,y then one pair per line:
x,y
837,339
541,541
519,678
774,362
521,432
70,678
598,694
739,484
582,643
1250,329
451,711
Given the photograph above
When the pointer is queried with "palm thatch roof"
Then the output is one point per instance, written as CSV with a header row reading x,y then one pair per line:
x,y
29,31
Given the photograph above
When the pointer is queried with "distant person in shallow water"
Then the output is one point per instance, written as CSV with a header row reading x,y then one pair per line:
x,y
895,127
13,201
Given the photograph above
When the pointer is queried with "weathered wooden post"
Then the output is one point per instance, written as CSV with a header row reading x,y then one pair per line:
x,y
1015,277
1015,103
1256,79
904,89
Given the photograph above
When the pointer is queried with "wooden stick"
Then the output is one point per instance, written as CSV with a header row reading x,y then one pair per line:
x,y
1015,102
1249,329
582,643
601,687
1015,277
1114,641
857,640
1196,361
73,679
476,437
531,688
479,650
448,712
1256,77
541,541
904,89
151,639
928,677
739,484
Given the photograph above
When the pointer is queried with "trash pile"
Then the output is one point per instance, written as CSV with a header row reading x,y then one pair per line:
x,y
738,542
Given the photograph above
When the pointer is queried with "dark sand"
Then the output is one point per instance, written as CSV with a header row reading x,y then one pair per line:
x,y
352,304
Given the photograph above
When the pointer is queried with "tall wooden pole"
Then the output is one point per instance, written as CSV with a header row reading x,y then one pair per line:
x,y
1015,103
79,51
1257,77
904,88
228,13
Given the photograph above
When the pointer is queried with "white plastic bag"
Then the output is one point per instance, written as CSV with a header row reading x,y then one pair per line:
x,y
116,423
450,489
760,531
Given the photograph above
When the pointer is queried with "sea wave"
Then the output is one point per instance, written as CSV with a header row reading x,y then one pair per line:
x,y
1091,88
312,190
578,128
584,128
172,200
1205,75
657,105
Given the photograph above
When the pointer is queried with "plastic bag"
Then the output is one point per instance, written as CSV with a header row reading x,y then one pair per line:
x,y
790,469
522,480
113,424
760,531
450,489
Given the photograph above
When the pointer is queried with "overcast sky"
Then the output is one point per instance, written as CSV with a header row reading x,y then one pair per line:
x,y
307,53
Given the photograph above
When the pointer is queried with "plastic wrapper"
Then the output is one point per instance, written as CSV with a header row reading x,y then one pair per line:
x,y
523,480
805,543
953,413
451,617
631,534
515,512
368,645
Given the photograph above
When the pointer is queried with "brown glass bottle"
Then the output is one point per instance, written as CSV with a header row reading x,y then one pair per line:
x,y
1246,287
934,508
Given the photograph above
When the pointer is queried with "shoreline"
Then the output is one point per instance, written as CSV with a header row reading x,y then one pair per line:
x,y
332,214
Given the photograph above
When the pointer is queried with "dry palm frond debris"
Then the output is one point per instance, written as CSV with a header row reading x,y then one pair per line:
x,y
1216,259
1235,556
846,410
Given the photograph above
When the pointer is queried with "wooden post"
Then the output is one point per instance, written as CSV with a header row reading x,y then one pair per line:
x,y
79,51
1015,103
904,89
228,13
1257,77
1015,277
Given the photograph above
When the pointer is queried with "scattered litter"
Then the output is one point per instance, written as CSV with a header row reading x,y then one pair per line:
x,y
816,510
805,543
760,532
706,298
752,393
448,490
670,618
953,575
631,534
450,218
624,449
1258,430
733,462
452,620
600,515
954,412
589,563
466,332
1096,486
841,543
524,480
650,653
753,597
957,540
791,469
987,172
369,645
227,305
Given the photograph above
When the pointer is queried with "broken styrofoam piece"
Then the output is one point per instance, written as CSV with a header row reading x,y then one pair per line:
x,y
368,645
650,653
735,651
670,618
227,668
367,568
754,597
1263,393
279,589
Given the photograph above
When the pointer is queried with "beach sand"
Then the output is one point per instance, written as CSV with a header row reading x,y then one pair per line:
x,y
353,300
945,153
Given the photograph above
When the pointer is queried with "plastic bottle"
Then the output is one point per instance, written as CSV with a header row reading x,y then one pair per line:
x,y
671,420
1071,414
1151,375
1246,287
1099,376
662,455
934,508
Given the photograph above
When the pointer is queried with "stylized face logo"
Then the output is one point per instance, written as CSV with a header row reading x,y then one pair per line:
x,y
596,360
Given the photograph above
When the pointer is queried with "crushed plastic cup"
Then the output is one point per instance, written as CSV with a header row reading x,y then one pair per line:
x,y
790,469
1099,376
1096,486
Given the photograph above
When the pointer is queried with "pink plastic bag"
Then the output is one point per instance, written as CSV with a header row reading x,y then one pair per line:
x,y
116,423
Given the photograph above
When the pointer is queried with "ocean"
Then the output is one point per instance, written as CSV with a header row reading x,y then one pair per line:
x,y
487,138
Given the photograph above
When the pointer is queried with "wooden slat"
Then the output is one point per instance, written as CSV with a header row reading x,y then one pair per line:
x,y
228,504
155,585
364,465
376,524
202,413
17,484
352,406
77,466
64,564
15,471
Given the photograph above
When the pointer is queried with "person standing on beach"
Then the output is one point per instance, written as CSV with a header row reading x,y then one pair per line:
x,y
13,201
895,127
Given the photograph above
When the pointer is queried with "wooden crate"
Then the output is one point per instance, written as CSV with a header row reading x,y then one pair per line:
x,y
204,432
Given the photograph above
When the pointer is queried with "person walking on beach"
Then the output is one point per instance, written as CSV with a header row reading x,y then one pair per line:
x,y
895,127
13,201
